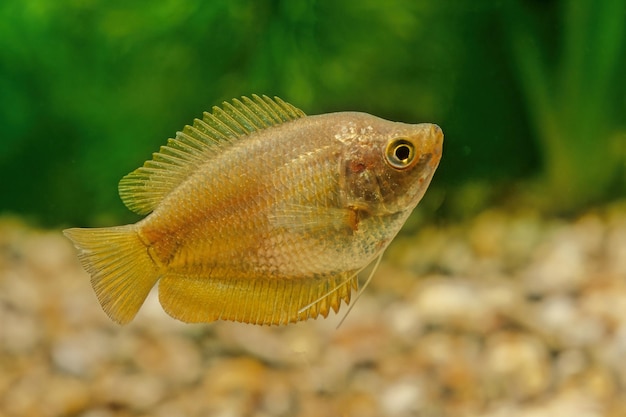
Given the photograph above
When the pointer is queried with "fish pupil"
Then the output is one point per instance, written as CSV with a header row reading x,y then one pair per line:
x,y
402,152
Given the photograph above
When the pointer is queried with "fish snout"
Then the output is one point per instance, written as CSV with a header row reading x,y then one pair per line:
x,y
436,135
431,144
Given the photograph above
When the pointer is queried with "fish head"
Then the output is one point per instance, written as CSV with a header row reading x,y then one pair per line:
x,y
387,166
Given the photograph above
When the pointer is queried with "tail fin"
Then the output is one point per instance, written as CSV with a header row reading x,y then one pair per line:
x,y
122,272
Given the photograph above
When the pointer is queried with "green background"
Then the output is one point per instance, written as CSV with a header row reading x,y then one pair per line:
x,y
531,95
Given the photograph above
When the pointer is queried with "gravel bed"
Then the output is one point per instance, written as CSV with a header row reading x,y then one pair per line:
x,y
505,315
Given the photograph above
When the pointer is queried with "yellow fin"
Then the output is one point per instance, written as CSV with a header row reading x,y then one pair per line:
x,y
255,301
122,272
144,188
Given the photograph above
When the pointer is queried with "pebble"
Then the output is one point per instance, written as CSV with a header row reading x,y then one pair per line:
x,y
560,264
454,303
516,365
402,398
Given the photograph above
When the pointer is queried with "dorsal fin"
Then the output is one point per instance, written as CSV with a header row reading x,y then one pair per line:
x,y
144,188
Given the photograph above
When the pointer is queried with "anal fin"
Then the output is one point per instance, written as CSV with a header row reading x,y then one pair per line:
x,y
256,301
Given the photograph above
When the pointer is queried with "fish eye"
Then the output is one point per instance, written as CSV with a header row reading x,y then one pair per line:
x,y
400,153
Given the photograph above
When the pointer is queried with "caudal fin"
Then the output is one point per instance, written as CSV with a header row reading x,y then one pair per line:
x,y
122,272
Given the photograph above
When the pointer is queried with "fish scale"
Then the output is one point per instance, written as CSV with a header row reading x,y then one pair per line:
x,y
260,214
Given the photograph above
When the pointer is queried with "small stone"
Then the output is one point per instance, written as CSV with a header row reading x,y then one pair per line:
x,y
600,383
516,365
168,356
65,396
402,398
20,291
487,233
616,245
559,264
449,302
404,320
278,345
457,256
524,233
569,364
278,396
99,412
358,404
48,253
129,390
19,332
605,303
563,321
81,353
232,386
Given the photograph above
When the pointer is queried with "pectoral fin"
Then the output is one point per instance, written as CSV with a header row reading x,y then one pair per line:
x,y
314,219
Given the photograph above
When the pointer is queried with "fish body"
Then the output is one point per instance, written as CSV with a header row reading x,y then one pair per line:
x,y
260,214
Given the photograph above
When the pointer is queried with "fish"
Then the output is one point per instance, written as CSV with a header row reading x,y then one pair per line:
x,y
258,213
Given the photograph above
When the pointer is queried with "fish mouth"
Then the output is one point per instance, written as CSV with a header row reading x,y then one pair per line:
x,y
432,148
436,131
436,135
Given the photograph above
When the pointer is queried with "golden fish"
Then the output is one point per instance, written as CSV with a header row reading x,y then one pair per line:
x,y
260,214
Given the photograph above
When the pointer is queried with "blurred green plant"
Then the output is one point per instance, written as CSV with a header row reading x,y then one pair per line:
x,y
88,89
575,92
91,88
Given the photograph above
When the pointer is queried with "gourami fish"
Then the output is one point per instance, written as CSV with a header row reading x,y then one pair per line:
x,y
260,214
